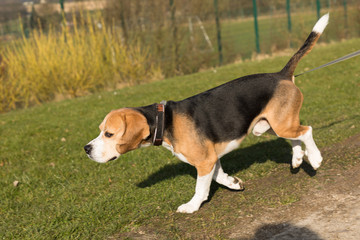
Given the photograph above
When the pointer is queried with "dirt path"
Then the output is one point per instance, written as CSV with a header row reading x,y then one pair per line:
x,y
329,211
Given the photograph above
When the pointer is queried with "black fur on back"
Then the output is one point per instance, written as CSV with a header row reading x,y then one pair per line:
x,y
225,112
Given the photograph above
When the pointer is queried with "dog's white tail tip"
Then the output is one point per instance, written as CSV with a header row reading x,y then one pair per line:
x,y
321,24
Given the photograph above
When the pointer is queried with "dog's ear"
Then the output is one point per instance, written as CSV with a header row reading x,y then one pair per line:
x,y
102,124
136,128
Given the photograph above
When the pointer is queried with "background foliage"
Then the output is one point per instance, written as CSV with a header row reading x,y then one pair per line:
x,y
70,63
59,55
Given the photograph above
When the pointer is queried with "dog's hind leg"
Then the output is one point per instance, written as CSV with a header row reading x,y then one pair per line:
x,y
282,113
312,151
298,135
298,153
263,126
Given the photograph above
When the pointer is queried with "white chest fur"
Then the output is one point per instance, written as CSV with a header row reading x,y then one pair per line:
x,y
178,155
232,145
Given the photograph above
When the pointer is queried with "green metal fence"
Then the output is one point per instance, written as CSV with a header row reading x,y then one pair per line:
x,y
184,36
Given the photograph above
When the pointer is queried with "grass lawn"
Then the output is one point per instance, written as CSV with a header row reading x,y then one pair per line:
x,y
63,194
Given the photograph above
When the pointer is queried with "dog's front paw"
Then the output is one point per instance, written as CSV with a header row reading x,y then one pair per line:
x,y
314,158
236,184
187,208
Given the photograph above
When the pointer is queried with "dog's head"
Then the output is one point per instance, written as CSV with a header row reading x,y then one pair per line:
x,y
121,131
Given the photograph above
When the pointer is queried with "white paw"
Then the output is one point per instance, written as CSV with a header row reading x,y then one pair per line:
x,y
236,183
187,208
297,159
315,159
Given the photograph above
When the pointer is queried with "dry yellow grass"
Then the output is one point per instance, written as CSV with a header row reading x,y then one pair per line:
x,y
73,62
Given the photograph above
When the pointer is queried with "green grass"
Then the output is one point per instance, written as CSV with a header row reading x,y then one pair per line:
x,y
62,194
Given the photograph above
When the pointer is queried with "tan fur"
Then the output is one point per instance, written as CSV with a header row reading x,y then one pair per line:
x,y
129,128
282,111
198,151
220,147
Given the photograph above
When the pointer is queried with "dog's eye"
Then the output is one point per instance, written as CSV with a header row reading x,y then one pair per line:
x,y
108,135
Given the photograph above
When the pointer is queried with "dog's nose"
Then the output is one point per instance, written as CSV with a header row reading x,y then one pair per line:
x,y
88,149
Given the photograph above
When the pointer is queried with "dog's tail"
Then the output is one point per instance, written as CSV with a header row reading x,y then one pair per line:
x,y
319,27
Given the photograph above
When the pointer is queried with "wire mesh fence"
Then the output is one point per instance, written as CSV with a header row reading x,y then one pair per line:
x,y
185,36
189,35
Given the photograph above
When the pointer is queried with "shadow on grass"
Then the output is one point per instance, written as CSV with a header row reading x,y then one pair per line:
x,y
278,150
284,231
355,116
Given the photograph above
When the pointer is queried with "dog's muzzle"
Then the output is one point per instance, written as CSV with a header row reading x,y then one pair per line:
x,y
94,154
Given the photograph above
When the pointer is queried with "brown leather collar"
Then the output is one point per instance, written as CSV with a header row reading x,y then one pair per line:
x,y
159,123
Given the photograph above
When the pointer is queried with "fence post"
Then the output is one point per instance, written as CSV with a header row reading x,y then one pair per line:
x,y
218,31
289,18
123,22
256,27
175,41
318,6
288,14
345,13
62,5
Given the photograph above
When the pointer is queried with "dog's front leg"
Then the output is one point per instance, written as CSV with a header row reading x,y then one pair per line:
x,y
201,193
224,179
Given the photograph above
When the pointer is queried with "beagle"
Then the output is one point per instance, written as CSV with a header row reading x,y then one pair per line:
x,y
201,129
